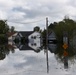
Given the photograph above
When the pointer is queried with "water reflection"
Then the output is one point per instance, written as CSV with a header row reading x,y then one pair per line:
x,y
5,50
65,55
57,49
52,47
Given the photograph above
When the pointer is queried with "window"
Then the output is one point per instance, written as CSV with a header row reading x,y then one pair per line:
x,y
35,44
32,44
34,37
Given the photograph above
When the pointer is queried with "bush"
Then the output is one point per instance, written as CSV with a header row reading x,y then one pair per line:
x,y
3,39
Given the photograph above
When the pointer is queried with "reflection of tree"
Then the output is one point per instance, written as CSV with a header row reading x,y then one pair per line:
x,y
2,54
11,48
60,51
5,50
65,55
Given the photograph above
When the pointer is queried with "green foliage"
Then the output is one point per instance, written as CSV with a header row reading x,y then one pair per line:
x,y
44,33
12,29
4,50
4,28
37,28
3,38
66,25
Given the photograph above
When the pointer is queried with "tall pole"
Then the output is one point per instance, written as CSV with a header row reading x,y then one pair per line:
x,y
47,44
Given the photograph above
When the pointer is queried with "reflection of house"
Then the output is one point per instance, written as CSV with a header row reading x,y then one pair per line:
x,y
52,37
26,47
11,46
32,39
52,47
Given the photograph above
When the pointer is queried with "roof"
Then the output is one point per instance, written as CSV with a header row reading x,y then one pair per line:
x,y
51,32
52,36
25,47
10,33
10,46
26,33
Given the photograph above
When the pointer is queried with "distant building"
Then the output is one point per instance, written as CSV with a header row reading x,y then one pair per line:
x,y
32,39
35,40
11,37
52,37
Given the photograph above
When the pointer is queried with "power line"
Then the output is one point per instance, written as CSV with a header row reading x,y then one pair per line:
x,y
27,22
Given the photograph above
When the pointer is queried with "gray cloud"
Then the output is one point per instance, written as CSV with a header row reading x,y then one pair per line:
x,y
32,10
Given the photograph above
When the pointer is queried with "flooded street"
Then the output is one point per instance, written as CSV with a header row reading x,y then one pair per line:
x,y
23,62
37,37
29,62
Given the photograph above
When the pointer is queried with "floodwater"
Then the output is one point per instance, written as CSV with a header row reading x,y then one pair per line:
x,y
19,60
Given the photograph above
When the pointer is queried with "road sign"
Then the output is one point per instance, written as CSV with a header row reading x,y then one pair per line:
x,y
65,46
65,53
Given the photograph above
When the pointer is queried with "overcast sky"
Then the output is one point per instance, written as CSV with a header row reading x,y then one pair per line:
x,y
28,11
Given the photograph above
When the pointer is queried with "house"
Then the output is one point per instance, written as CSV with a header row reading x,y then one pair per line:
x,y
23,34
11,37
35,40
32,39
52,37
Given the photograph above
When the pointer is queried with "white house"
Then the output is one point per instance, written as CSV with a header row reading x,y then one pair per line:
x,y
35,40
32,39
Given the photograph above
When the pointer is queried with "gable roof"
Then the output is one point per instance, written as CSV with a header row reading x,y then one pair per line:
x,y
52,34
25,47
10,33
26,33
10,46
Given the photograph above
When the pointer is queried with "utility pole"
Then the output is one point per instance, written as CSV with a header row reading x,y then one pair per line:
x,y
47,45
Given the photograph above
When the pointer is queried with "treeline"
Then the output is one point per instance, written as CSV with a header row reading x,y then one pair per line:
x,y
4,29
66,25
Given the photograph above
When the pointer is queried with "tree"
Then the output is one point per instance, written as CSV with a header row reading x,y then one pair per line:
x,y
37,28
12,29
4,28
66,25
